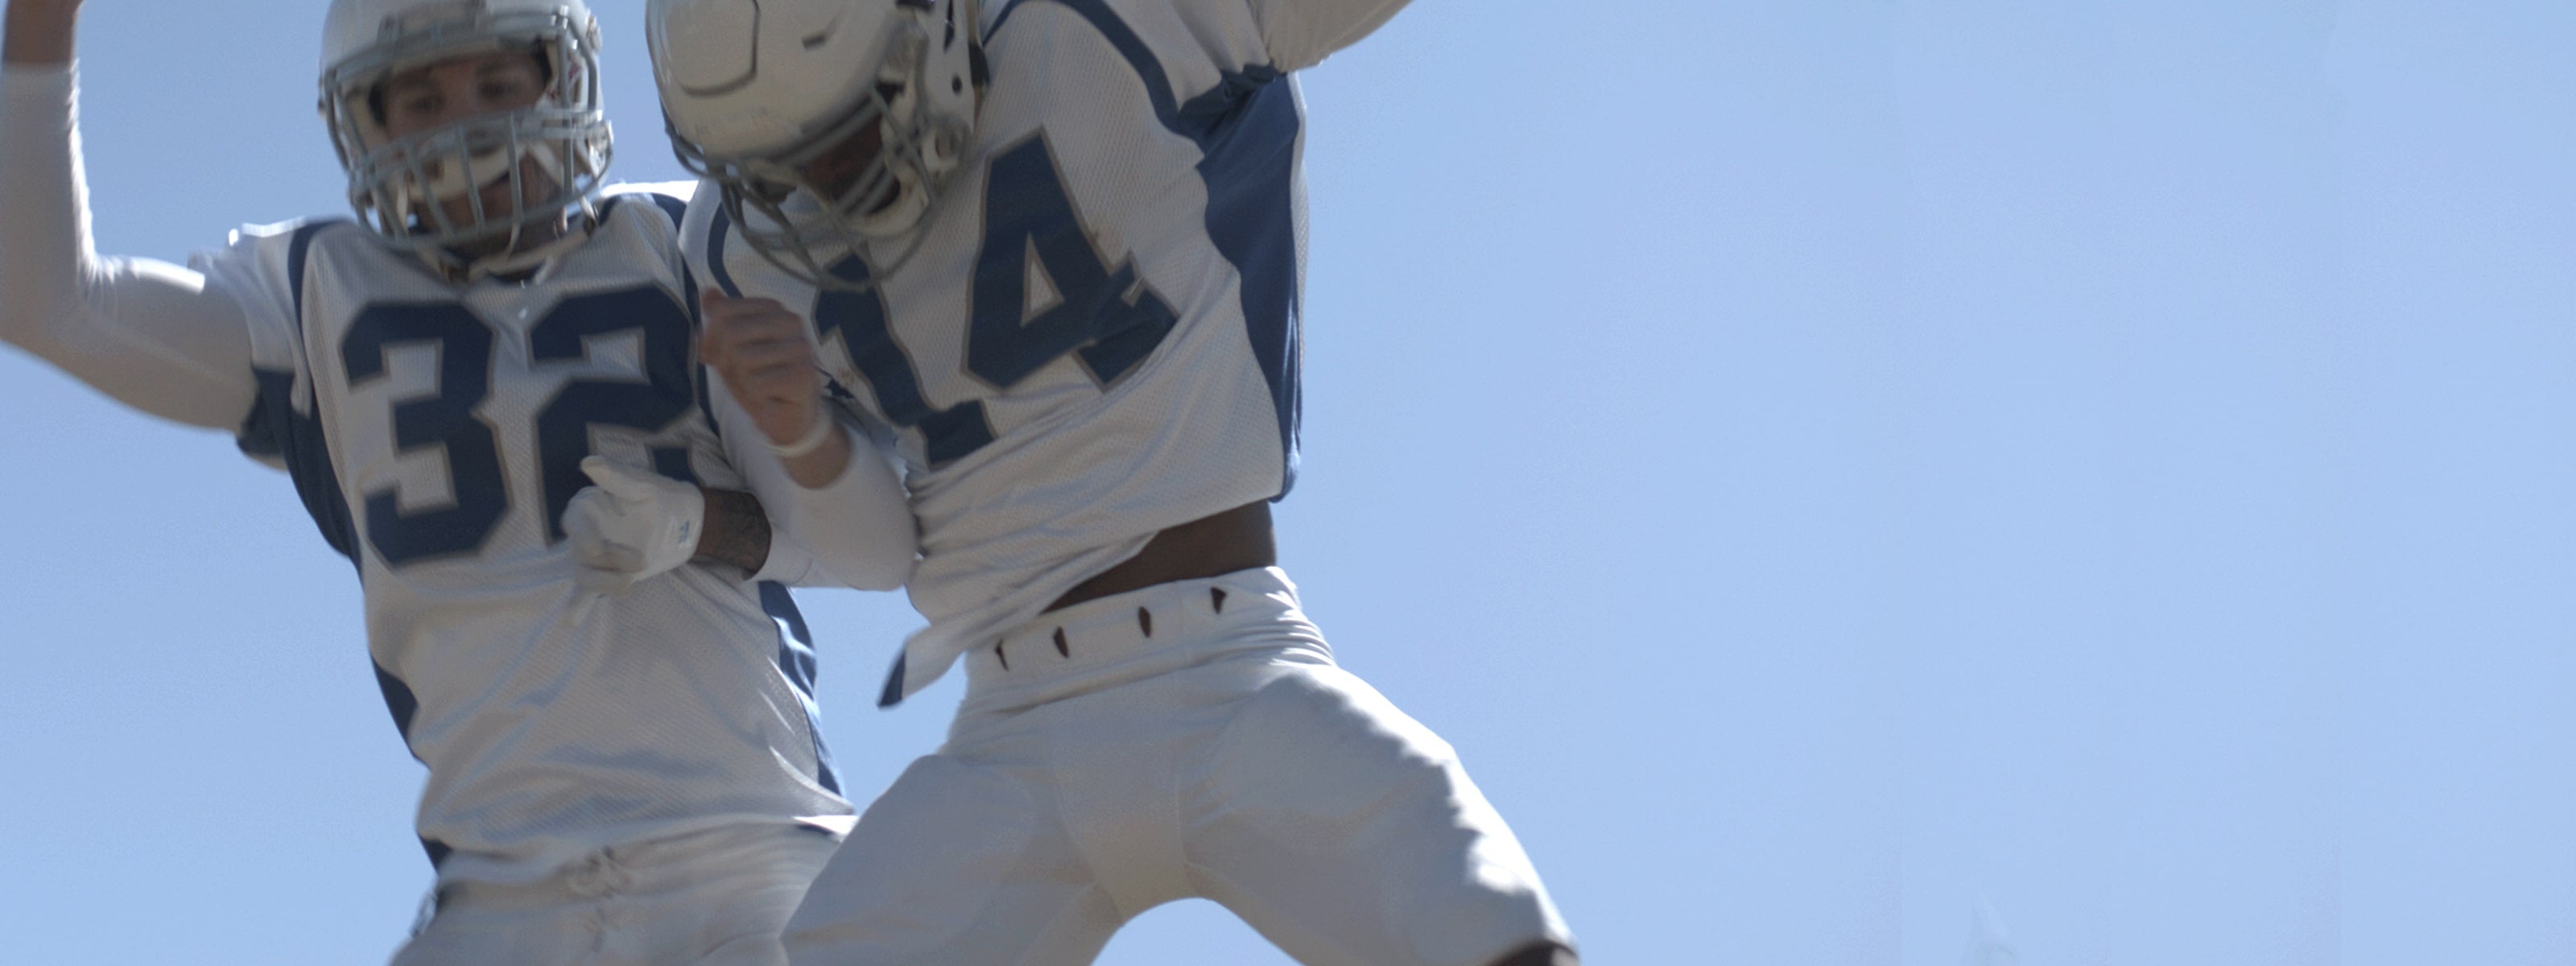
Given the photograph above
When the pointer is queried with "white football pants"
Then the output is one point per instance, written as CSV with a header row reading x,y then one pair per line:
x,y
1189,739
712,898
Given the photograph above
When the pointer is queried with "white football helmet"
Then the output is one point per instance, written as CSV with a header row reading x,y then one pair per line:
x,y
396,184
756,91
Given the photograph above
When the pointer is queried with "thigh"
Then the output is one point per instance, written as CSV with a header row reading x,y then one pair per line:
x,y
728,902
716,897
959,863
1346,832
460,934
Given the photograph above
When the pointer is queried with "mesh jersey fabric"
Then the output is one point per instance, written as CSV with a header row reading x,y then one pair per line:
x,y
434,431
1123,353
435,434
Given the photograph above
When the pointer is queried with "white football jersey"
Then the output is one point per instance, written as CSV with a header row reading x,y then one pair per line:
x,y
1097,337
435,434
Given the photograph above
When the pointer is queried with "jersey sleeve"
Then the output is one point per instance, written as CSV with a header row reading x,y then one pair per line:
x,y
858,529
1298,34
1266,38
156,336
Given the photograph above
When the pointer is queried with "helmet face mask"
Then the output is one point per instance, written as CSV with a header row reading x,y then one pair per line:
x,y
432,190
855,166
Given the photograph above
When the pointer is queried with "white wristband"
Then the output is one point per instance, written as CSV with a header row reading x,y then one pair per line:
x,y
814,439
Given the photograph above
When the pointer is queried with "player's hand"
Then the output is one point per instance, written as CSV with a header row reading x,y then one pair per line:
x,y
40,32
631,526
761,350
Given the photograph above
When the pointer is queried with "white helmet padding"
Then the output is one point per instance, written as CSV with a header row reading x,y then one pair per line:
x,y
396,184
755,90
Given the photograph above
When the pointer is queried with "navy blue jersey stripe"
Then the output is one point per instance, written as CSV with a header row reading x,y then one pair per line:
x,y
796,660
400,700
697,364
1246,129
274,430
893,694
671,206
297,249
673,462
717,228
1158,86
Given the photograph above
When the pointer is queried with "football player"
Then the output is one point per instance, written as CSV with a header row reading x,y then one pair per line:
x,y
1056,245
621,770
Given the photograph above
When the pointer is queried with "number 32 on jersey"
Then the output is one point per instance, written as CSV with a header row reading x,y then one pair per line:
x,y
448,420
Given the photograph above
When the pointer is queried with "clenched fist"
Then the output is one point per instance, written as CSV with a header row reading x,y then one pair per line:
x,y
760,349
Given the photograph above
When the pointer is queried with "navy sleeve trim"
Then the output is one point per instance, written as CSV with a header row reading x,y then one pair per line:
x,y
893,694
1246,129
671,206
275,430
297,249
718,228
796,660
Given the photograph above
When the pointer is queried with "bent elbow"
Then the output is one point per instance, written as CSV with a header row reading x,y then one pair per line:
x,y
883,574
55,311
893,566
34,324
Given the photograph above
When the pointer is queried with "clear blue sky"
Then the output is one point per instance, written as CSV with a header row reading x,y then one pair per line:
x,y
1826,464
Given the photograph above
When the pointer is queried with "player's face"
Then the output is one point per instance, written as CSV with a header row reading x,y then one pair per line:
x,y
839,168
423,99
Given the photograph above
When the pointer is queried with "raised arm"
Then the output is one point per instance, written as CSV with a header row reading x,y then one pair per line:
x,y
150,334
1301,33
40,33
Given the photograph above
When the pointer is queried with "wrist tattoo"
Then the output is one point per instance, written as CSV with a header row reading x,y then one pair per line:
x,y
736,531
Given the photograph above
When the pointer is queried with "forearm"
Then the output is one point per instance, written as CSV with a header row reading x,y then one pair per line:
x,y
736,530
844,509
46,257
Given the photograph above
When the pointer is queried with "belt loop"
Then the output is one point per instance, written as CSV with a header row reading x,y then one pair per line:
x,y
999,656
1145,620
1060,646
1216,598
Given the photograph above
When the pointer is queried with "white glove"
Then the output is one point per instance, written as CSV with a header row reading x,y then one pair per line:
x,y
631,526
